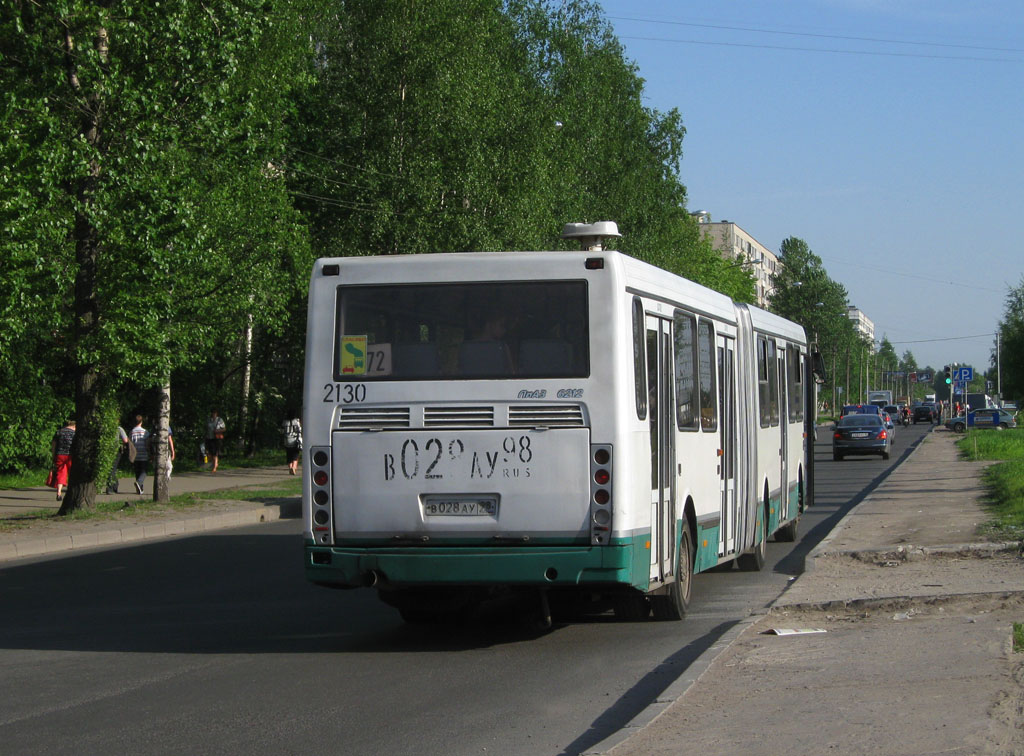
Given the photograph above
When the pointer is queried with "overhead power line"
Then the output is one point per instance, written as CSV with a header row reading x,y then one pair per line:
x,y
873,53
890,271
757,30
947,338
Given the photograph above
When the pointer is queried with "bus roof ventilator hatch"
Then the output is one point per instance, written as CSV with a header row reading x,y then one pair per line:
x,y
591,235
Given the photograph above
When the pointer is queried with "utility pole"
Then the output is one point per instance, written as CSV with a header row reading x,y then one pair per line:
x,y
999,371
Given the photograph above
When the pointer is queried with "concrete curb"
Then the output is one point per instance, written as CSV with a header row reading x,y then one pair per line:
x,y
676,690
891,603
907,552
133,533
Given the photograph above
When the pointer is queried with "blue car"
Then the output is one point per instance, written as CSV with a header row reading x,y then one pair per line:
x,y
982,418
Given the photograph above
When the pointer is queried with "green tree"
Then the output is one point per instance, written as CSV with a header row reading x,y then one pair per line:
x,y
154,131
1011,346
448,125
804,292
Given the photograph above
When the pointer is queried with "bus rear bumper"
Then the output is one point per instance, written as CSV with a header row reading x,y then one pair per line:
x,y
538,566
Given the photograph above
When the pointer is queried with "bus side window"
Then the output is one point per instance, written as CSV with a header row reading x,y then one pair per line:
x,y
796,384
686,370
763,398
706,368
639,358
774,366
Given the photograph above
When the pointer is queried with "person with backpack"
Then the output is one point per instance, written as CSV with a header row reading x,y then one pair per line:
x,y
292,432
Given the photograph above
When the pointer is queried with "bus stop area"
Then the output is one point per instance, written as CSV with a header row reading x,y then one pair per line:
x,y
895,640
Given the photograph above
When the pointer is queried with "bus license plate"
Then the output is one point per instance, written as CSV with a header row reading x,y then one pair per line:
x,y
460,507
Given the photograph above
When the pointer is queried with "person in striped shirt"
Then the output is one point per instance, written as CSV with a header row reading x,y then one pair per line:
x,y
140,439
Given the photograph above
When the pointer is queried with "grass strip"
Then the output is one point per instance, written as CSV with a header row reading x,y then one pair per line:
x,y
116,509
1004,481
1005,484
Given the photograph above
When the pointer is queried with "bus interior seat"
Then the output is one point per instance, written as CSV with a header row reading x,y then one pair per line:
x,y
416,360
545,357
484,358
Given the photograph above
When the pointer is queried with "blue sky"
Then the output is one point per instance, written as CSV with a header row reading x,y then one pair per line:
x,y
887,134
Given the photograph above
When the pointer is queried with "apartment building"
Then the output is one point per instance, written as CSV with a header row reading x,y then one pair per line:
x,y
733,243
861,322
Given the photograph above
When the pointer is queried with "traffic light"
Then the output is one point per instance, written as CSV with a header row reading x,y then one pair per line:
x,y
945,373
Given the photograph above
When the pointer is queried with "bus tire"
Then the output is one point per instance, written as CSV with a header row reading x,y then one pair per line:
x,y
787,533
673,604
754,560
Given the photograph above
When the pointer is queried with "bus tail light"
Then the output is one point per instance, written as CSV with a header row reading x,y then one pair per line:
x,y
320,493
600,495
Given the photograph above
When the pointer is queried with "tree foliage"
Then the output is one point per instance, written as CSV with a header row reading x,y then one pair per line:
x,y
149,130
1011,346
172,168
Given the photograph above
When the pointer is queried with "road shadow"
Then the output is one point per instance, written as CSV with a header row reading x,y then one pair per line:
x,y
220,594
645,691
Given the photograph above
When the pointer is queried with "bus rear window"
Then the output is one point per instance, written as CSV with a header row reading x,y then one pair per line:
x,y
535,329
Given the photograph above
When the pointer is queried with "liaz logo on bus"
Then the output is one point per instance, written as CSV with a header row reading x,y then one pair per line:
x,y
353,355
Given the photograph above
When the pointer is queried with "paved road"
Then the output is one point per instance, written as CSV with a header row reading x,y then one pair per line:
x,y
216,643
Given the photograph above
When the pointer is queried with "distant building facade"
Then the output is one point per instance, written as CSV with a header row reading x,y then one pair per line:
x,y
861,322
732,243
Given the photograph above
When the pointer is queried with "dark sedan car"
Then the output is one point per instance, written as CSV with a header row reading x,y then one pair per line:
x,y
861,434
924,413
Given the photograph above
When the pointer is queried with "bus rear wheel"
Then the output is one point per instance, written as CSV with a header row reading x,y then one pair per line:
x,y
754,560
673,604
788,532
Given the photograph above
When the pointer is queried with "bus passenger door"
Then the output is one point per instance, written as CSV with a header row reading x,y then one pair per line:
x,y
661,417
783,434
727,442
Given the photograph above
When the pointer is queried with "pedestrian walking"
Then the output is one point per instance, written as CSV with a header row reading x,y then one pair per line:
x,y
122,448
215,430
291,429
170,447
140,440
60,448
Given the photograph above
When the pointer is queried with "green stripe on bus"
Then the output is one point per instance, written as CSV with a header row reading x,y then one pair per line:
x,y
625,562
707,548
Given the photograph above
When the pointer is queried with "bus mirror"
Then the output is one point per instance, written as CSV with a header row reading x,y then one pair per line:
x,y
818,368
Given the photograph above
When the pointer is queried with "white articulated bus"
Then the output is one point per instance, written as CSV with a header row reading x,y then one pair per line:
x,y
476,423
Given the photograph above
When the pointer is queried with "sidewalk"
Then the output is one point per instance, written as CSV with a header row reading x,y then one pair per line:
x,y
50,535
914,653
